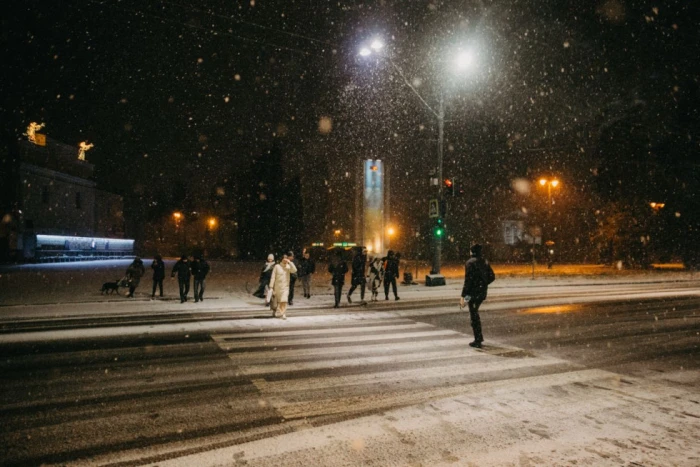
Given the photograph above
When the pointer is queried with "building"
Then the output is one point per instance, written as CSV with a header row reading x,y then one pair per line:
x,y
53,210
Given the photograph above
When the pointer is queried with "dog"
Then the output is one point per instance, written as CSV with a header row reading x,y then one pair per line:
x,y
110,287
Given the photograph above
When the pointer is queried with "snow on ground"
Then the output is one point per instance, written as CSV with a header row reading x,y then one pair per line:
x,y
80,282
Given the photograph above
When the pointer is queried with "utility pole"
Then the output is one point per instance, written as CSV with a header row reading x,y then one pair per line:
x,y
437,250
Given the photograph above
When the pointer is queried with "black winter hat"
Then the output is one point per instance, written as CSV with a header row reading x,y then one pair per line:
x,y
476,250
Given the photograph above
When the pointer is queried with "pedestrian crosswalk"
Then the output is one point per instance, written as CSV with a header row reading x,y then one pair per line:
x,y
351,368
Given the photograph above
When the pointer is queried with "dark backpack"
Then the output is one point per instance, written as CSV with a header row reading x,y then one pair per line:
x,y
490,275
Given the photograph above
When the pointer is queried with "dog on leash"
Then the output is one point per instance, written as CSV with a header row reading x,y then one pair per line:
x,y
110,287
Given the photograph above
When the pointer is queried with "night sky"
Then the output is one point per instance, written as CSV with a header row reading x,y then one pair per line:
x,y
184,91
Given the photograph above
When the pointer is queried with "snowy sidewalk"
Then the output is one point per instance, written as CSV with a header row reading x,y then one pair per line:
x,y
60,291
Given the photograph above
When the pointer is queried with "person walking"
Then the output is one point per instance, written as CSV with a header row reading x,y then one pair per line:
x,y
279,285
134,273
292,277
477,277
200,269
158,267
182,268
338,268
264,281
376,276
307,266
359,274
391,272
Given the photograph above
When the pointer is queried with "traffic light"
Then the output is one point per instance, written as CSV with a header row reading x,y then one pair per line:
x,y
457,188
449,187
439,229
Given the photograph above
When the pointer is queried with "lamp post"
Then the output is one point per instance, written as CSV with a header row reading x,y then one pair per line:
x,y
554,183
464,60
178,218
211,225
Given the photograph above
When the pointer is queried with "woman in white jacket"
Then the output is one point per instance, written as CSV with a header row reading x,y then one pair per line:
x,y
279,284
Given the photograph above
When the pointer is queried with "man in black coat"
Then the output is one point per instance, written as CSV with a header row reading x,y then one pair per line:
x,y
391,272
477,277
200,269
359,273
306,268
338,268
182,269
158,267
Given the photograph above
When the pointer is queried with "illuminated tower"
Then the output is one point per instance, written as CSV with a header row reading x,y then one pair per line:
x,y
372,206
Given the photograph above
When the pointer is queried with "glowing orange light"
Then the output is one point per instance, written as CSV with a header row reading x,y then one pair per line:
x,y
543,182
31,131
554,309
374,168
177,215
555,183
83,147
212,222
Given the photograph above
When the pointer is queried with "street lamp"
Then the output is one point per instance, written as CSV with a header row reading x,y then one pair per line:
x,y
554,183
178,216
464,60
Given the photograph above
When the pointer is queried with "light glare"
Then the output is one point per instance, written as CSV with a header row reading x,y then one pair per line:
x,y
465,60
364,52
377,44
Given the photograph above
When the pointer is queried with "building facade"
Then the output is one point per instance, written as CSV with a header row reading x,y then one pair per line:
x,y
51,195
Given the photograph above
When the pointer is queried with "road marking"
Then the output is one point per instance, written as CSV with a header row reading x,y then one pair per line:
x,y
372,365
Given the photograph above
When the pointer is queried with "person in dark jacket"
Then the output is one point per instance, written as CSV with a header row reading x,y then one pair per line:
x,y
359,273
306,268
391,272
477,277
182,269
264,280
292,277
200,269
338,268
134,273
158,267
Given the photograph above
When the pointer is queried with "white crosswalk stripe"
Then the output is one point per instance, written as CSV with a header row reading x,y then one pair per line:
x,y
361,367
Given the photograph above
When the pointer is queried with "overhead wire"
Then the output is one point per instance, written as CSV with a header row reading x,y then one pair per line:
x,y
251,23
192,26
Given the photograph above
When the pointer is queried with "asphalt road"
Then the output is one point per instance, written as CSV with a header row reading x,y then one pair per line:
x,y
150,398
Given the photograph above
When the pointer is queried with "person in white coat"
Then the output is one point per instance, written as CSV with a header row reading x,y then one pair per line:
x,y
279,284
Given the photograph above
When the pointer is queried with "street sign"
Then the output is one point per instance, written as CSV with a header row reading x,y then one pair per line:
x,y
434,210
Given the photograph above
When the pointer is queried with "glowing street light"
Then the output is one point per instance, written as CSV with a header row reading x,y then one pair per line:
x,y
554,183
550,184
465,60
212,222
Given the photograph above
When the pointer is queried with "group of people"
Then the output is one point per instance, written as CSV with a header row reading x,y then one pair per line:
x,y
184,268
381,270
278,279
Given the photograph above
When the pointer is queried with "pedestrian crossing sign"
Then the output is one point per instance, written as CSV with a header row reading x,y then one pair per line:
x,y
434,210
